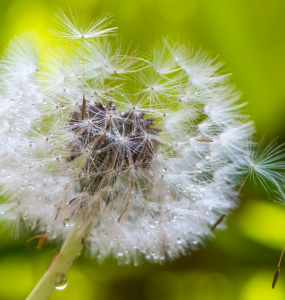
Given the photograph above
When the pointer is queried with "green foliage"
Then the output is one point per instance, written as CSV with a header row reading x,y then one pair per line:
x,y
240,263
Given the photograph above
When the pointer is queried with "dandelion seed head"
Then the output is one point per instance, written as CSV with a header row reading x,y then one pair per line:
x,y
150,152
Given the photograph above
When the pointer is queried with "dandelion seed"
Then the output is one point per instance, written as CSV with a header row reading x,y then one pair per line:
x,y
42,239
265,162
72,29
277,272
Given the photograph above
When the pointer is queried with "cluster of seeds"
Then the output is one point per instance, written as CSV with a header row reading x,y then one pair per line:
x,y
150,150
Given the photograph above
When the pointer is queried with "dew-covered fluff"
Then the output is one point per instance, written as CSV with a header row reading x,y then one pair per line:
x,y
151,149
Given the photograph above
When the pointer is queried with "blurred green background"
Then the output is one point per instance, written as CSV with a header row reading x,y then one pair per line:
x,y
239,264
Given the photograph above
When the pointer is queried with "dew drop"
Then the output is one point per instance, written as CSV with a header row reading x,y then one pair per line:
x,y
66,222
63,284
152,224
120,253
179,241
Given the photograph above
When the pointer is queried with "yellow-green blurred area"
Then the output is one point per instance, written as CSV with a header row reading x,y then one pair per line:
x,y
240,262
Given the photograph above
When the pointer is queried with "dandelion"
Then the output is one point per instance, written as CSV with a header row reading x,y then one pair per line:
x,y
131,157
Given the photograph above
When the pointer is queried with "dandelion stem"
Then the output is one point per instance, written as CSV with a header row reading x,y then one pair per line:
x,y
61,264
221,218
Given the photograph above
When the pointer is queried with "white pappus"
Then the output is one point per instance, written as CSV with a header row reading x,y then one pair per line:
x,y
150,150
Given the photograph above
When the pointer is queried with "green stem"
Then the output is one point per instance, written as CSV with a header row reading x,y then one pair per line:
x,y
61,264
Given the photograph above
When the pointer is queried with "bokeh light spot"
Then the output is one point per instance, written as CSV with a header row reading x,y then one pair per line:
x,y
263,222
259,287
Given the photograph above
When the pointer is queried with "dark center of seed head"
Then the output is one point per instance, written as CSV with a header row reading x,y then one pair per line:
x,y
115,141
